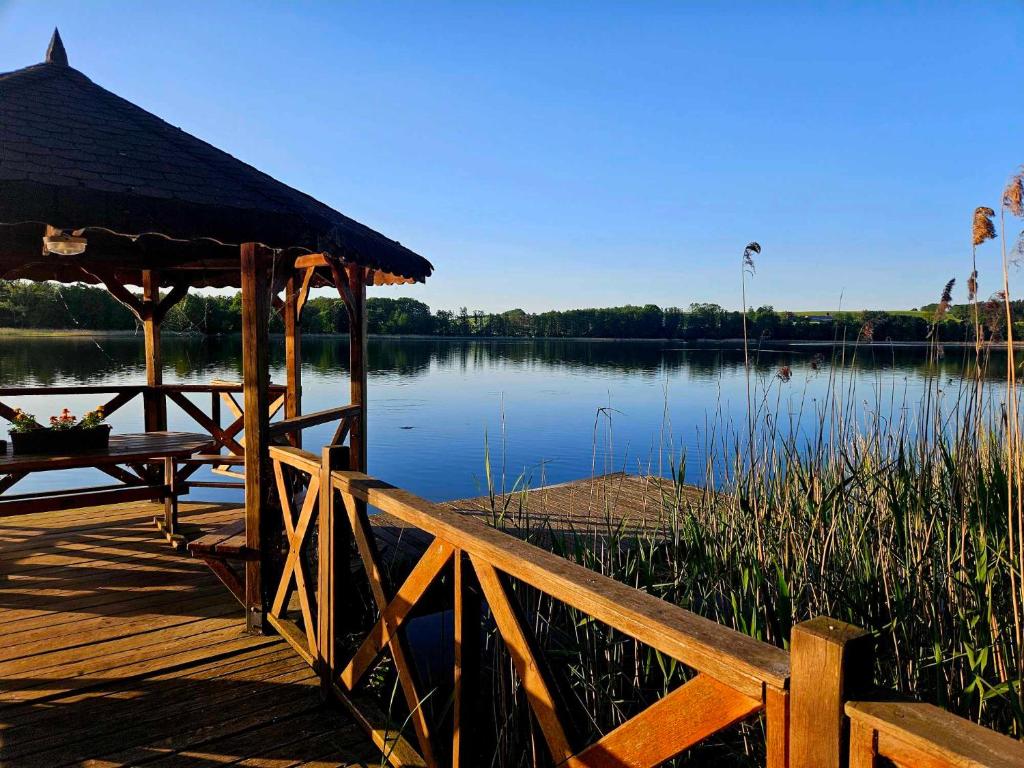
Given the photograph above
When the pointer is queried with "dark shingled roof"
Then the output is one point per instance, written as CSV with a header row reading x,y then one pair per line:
x,y
79,158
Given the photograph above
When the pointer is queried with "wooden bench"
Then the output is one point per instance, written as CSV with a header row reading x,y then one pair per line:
x,y
222,547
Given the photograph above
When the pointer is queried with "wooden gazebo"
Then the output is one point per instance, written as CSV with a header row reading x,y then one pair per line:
x,y
95,189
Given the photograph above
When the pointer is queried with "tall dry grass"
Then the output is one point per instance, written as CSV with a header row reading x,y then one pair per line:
x,y
892,517
905,517
900,513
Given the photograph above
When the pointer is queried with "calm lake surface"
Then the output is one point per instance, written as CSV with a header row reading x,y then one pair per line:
x,y
569,408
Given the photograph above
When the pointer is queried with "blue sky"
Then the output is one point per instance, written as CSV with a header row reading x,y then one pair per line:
x,y
561,154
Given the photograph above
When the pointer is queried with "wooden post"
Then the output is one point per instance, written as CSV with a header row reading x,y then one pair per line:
x,y
259,521
467,662
863,746
154,403
215,409
171,500
357,363
776,712
333,569
830,662
293,355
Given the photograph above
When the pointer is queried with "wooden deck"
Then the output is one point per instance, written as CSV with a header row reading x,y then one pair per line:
x,y
120,651
630,504
594,506
134,653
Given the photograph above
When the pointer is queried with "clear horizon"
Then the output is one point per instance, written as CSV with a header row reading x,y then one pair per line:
x,y
589,154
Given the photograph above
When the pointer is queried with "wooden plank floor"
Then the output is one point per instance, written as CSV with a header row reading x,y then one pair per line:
x,y
116,650
594,506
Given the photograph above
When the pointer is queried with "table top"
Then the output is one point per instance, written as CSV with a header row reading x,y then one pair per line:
x,y
123,449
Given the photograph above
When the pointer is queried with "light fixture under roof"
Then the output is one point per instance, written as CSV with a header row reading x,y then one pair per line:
x,y
64,245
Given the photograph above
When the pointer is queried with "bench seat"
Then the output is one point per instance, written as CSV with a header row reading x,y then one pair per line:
x,y
222,547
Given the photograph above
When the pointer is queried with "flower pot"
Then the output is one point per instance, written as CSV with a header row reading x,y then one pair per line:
x,y
61,441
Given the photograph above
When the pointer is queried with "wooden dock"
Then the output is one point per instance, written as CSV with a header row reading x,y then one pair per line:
x,y
135,653
120,651
625,504
619,502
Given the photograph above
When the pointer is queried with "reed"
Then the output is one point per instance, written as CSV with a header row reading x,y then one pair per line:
x,y
896,513
892,517
901,513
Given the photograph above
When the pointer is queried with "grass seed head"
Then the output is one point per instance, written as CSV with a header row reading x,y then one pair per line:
x,y
983,228
748,255
945,300
1013,195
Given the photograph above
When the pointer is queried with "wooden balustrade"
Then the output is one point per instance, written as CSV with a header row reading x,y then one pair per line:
x,y
122,394
227,450
808,714
914,735
735,677
225,438
345,415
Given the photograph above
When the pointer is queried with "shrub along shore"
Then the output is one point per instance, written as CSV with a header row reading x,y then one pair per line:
x,y
48,306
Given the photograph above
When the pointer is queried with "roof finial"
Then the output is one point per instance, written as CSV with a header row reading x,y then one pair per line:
x,y
56,54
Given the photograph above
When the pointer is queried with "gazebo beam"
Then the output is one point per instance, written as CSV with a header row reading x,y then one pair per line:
x,y
311,260
150,311
176,294
115,288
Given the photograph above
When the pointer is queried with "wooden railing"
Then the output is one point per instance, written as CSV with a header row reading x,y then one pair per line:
x,y
225,439
219,391
736,677
815,702
915,735
122,394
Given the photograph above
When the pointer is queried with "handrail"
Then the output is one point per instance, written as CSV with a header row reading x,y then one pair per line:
x,y
810,697
909,733
296,423
122,394
91,389
296,458
736,677
727,655
215,386
84,389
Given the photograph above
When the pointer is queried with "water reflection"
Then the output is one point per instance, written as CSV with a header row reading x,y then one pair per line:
x,y
84,359
433,402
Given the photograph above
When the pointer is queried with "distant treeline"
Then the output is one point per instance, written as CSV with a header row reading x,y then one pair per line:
x,y
53,306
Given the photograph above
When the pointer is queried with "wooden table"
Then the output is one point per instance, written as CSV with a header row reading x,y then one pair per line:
x,y
128,459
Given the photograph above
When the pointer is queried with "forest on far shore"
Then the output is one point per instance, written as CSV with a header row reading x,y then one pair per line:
x,y
81,307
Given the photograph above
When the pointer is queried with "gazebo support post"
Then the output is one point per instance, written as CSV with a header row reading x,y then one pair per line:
x,y
293,353
154,403
259,523
357,362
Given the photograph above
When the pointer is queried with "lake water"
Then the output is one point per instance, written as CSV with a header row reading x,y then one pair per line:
x,y
568,407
